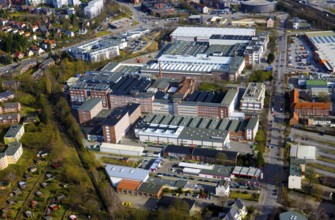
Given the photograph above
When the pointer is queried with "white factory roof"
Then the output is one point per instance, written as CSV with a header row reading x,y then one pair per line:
x,y
191,170
196,166
123,172
324,41
121,147
303,152
207,32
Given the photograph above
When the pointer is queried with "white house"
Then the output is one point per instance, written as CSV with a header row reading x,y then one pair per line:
x,y
222,188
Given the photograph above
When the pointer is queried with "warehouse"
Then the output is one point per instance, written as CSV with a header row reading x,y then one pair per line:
x,y
203,34
247,172
122,150
117,173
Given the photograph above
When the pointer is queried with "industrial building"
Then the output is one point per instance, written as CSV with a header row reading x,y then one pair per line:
x,y
89,109
206,155
322,43
258,6
253,97
119,122
203,34
117,173
194,131
98,50
303,152
121,150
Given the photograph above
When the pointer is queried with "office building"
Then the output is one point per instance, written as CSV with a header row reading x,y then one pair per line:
x,y
253,97
98,50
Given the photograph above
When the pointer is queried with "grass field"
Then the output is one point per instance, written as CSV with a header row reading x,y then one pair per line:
x,y
321,167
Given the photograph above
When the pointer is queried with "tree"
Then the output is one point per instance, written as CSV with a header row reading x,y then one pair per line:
x,y
323,97
260,159
311,177
271,58
5,60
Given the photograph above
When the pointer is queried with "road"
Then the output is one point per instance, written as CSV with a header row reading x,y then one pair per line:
x,y
273,169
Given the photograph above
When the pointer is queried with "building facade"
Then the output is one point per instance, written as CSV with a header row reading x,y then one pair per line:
x,y
253,98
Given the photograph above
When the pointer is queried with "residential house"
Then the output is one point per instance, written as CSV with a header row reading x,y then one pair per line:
x,y
48,44
44,30
18,55
234,210
27,34
34,28
270,22
37,50
69,33
222,188
29,53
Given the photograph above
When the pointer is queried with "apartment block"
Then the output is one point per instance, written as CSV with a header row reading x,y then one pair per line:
x,y
12,118
11,155
119,122
14,133
89,109
253,97
11,107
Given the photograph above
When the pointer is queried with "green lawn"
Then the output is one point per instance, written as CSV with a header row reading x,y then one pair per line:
x,y
102,33
244,195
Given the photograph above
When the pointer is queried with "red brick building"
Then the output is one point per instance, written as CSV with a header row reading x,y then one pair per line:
x,y
89,109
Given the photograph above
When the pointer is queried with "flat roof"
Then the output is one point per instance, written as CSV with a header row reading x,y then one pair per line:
x,y
303,152
121,147
89,104
254,90
126,172
195,166
207,32
12,148
150,187
324,42
218,170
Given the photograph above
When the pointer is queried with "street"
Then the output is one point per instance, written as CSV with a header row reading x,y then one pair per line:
x,y
273,169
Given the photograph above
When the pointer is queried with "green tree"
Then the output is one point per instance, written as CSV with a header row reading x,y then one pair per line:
x,y
260,159
311,177
271,58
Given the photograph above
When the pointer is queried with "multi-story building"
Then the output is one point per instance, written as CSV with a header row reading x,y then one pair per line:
x,y
13,118
93,8
255,50
97,50
14,133
253,97
201,104
89,109
11,107
11,155
61,3
119,122
5,96
306,109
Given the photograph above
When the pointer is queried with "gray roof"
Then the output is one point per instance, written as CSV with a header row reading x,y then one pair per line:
x,y
89,104
252,123
219,170
203,134
13,130
150,187
229,97
295,166
126,172
11,104
12,148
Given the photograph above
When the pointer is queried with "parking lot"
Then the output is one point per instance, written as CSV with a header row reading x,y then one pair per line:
x,y
300,56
